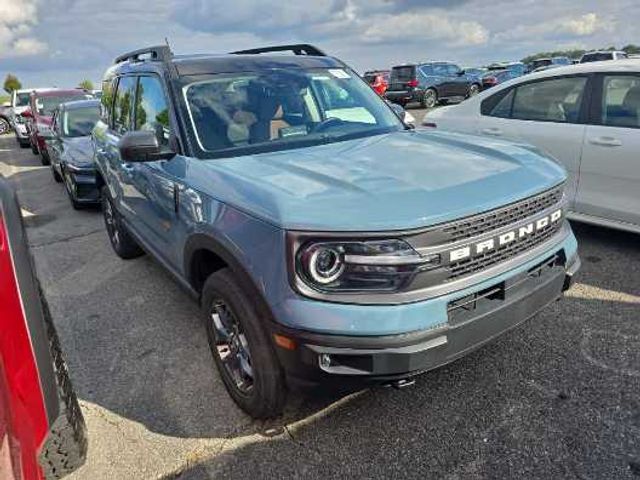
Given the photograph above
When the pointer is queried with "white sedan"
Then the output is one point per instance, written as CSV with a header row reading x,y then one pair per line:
x,y
586,116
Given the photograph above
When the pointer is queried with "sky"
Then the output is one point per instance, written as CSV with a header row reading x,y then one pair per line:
x,y
61,42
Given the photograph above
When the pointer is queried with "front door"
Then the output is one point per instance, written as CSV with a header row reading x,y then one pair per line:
x,y
610,168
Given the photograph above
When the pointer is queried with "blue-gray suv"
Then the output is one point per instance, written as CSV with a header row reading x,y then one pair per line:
x,y
326,241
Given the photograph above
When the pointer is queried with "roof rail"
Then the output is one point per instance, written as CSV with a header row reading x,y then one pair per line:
x,y
161,53
297,49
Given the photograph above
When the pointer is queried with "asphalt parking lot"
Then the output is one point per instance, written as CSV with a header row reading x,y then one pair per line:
x,y
557,398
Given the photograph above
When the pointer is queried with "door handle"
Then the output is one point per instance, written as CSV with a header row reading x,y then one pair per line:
x,y
605,141
492,131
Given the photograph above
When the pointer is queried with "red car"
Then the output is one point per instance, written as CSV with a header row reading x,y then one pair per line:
x,y
378,79
42,431
42,104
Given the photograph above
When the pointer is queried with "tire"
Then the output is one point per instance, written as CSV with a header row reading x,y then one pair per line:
x,y
34,148
474,89
65,448
5,126
44,158
262,393
429,99
56,175
22,144
121,240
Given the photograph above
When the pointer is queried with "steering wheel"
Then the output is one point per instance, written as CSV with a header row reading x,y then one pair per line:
x,y
327,123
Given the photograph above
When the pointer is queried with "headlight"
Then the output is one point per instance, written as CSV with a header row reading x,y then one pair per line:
x,y
351,266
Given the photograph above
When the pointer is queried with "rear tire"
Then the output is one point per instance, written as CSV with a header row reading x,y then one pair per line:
x,y
34,148
241,347
429,99
474,89
121,240
44,158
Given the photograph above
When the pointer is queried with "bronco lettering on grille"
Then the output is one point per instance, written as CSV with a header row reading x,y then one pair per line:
x,y
517,234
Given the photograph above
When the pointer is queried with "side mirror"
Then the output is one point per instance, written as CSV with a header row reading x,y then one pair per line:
x,y
406,117
27,113
141,146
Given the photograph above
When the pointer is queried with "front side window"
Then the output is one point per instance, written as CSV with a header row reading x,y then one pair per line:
x,y
78,122
123,105
277,109
440,70
152,111
621,101
554,100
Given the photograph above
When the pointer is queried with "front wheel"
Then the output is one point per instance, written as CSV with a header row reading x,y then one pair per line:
x,y
241,348
56,175
430,98
121,240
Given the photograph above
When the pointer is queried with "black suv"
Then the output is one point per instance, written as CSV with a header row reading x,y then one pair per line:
x,y
430,83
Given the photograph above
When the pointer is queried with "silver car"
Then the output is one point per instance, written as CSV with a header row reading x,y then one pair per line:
x,y
586,116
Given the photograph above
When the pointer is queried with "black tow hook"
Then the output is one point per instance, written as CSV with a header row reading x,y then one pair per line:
x,y
402,383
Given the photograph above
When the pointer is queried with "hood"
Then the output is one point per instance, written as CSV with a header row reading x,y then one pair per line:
x,y
79,151
401,180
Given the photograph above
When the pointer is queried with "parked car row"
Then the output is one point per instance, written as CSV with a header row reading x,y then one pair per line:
x,y
586,116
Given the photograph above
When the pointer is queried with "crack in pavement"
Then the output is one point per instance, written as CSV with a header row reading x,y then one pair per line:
x,y
65,239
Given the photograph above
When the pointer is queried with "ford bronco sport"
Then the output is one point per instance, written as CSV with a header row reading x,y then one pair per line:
x,y
324,239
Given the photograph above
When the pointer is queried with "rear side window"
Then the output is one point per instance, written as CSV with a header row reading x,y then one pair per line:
x,y
426,70
106,101
621,101
498,105
123,105
403,74
554,100
152,112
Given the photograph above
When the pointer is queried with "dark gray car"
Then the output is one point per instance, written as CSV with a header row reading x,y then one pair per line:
x,y
71,151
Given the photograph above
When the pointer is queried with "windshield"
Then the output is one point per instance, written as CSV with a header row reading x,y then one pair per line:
x,y
46,105
22,99
277,109
79,122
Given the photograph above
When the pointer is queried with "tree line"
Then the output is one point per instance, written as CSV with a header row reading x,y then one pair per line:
x,y
11,83
577,53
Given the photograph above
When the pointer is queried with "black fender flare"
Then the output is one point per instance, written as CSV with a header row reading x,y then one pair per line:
x,y
203,241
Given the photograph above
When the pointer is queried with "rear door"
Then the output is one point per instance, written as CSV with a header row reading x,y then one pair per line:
x,y
549,114
610,168
119,123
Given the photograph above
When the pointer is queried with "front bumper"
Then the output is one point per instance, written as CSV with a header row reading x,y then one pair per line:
x,y
21,131
473,319
83,186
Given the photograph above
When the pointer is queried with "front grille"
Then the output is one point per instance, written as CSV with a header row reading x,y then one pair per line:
x,y
486,222
481,262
